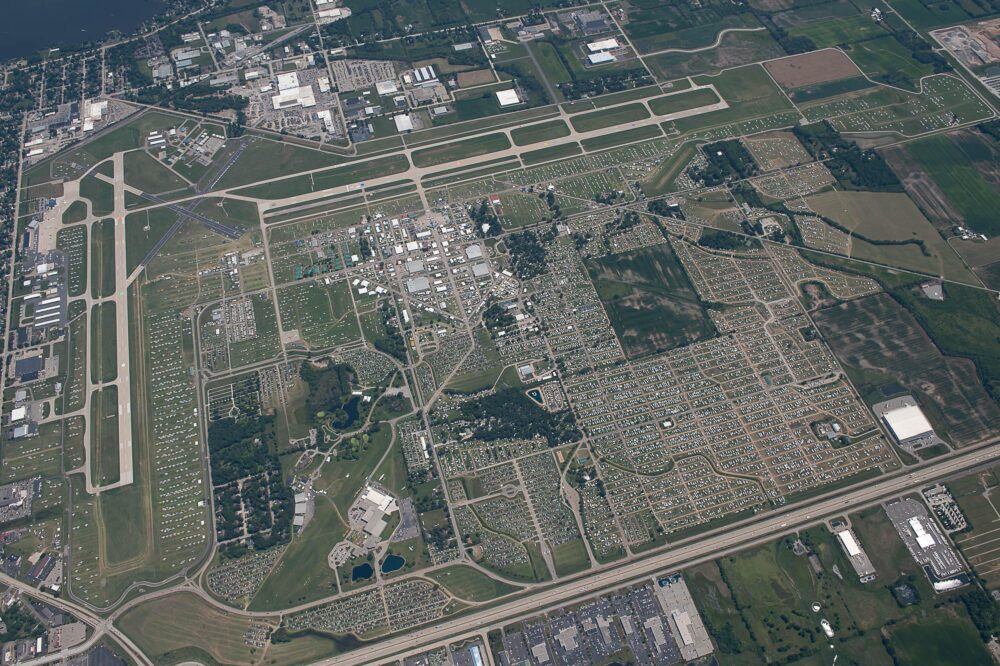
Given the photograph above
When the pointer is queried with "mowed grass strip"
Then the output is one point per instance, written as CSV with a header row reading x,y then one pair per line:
x,y
471,584
694,99
104,466
460,150
321,180
553,153
618,115
526,136
102,259
621,138
103,343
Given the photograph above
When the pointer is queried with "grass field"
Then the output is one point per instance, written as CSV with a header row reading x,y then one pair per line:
x,y
684,101
76,212
736,48
104,435
887,216
570,557
100,193
183,627
453,152
102,258
266,158
323,314
650,300
945,641
146,173
347,175
616,139
103,343
619,115
554,129
553,153
471,584
661,179
748,90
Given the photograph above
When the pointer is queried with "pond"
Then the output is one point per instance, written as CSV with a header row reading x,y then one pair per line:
x,y
392,563
362,572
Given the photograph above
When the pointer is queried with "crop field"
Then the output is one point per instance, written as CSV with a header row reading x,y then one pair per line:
x,y
955,163
881,358
619,115
810,69
322,314
650,300
840,30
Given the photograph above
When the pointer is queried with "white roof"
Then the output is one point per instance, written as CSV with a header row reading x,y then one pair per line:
x,y
906,422
600,58
386,87
288,81
508,97
924,540
403,123
18,413
379,499
850,543
683,622
602,45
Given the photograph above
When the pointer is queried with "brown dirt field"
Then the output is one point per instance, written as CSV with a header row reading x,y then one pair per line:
x,y
812,68
475,77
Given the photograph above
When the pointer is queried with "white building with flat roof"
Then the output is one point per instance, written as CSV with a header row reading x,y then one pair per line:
x,y
508,97
601,58
907,422
602,45
403,123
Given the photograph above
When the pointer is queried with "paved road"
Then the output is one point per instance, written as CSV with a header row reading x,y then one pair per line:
x,y
766,529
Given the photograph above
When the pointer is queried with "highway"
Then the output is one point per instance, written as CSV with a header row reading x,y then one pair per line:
x,y
729,539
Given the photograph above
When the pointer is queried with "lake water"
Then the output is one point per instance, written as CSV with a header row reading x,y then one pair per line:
x,y
32,25
362,572
392,563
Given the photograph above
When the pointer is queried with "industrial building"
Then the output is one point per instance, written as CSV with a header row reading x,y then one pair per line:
x,y
291,94
862,564
508,97
907,423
